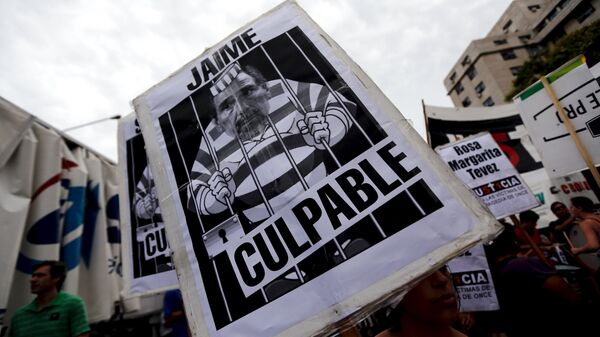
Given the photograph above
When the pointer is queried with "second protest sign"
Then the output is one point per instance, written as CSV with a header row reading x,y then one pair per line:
x,y
481,165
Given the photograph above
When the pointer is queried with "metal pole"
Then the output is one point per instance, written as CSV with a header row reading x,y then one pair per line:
x,y
90,123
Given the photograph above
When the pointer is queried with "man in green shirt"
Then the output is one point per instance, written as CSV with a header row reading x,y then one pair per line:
x,y
52,313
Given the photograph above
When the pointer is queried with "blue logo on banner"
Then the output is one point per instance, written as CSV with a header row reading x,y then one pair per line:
x,y
112,213
70,253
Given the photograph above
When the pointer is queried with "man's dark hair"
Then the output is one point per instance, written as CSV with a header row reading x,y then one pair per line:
x,y
586,204
258,77
556,203
57,270
528,216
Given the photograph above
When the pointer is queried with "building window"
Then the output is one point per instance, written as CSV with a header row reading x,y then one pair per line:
x,y
488,102
471,72
533,8
585,13
524,38
453,77
466,60
459,88
508,54
533,50
540,27
480,88
507,25
500,42
466,102
553,14
515,70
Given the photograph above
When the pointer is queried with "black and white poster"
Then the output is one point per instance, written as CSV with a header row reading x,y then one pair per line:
x,y
293,191
146,253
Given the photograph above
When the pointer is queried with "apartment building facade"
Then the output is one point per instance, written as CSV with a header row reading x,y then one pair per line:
x,y
485,72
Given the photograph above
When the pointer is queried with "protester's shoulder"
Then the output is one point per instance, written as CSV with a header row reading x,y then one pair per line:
x,y
553,224
70,299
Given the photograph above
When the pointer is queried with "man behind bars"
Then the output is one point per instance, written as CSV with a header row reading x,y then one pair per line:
x,y
283,126
145,206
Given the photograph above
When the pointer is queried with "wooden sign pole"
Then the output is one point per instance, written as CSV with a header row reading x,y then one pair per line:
x,y
568,240
567,122
533,245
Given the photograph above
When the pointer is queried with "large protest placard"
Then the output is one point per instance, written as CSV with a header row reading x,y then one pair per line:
x,y
147,264
579,94
294,193
480,164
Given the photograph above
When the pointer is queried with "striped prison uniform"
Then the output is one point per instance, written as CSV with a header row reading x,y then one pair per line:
x,y
277,177
144,201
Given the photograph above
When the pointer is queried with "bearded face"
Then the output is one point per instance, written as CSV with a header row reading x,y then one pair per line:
x,y
242,107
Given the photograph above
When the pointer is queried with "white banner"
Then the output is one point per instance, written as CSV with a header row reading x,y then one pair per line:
x,y
281,171
41,239
147,265
54,210
14,123
16,188
479,163
95,286
473,281
111,194
17,161
579,95
73,202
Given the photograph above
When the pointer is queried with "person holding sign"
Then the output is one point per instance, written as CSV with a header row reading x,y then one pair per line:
x,y
583,208
429,309
534,299
528,221
562,224
269,146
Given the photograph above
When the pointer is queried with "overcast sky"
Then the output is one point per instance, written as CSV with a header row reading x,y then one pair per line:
x,y
70,62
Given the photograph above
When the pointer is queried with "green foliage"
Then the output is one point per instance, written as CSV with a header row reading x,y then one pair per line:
x,y
584,41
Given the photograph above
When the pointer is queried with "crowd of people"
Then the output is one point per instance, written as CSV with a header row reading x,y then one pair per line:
x,y
535,298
